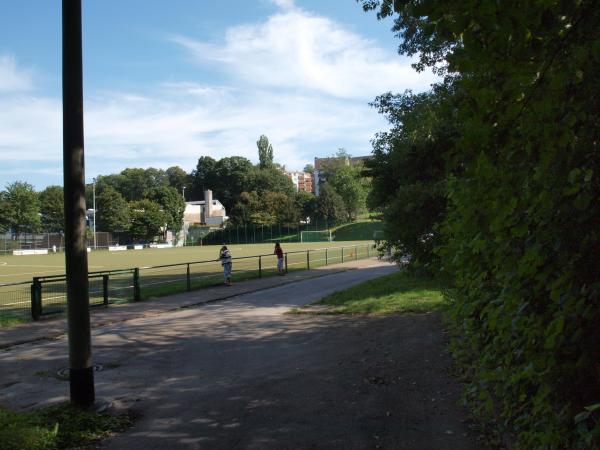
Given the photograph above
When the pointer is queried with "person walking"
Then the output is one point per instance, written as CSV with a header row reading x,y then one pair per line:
x,y
279,252
225,257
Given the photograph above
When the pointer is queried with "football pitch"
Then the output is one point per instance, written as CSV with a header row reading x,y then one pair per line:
x,y
23,268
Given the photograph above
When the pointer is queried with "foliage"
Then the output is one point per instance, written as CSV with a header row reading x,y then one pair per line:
x,y
57,427
147,219
227,178
309,168
409,172
330,206
522,227
265,152
172,204
134,183
306,204
52,206
5,212
23,207
178,178
112,211
399,292
270,180
349,183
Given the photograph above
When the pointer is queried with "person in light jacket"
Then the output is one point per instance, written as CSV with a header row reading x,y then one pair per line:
x,y
225,257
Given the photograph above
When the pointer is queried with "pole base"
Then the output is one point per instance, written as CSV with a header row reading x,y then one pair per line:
x,y
82,386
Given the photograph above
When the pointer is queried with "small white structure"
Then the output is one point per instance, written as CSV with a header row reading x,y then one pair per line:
x,y
205,212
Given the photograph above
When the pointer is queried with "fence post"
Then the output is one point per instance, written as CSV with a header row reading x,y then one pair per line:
x,y
259,266
325,256
105,289
342,254
36,299
356,253
188,278
308,259
286,269
136,285
368,246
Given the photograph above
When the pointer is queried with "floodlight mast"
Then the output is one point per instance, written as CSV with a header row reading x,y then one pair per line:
x,y
81,375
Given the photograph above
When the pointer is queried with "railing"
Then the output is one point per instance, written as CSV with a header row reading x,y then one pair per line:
x,y
47,295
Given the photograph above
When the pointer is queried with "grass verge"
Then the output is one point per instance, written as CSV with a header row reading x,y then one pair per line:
x,y
395,293
59,426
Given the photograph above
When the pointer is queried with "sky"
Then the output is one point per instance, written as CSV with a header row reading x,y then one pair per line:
x,y
166,82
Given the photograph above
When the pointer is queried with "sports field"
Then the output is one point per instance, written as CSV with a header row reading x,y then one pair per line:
x,y
24,268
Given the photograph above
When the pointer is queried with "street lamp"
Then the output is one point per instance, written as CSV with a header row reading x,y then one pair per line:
x,y
94,206
184,230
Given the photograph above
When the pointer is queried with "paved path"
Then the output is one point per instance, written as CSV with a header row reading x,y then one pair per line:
x,y
53,326
241,373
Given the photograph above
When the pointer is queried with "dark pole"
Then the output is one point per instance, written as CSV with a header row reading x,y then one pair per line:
x,y
80,346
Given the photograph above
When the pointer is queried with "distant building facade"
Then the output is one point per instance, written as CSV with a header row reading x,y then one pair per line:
x,y
302,180
321,164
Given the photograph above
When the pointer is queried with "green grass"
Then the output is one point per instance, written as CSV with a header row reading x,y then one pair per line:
x,y
360,230
23,268
57,427
396,293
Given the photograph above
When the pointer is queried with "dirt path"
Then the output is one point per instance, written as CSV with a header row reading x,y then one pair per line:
x,y
243,374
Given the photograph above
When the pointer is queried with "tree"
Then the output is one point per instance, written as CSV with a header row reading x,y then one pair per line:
x,y
265,152
306,204
409,172
330,206
309,168
178,178
52,209
4,212
23,207
349,183
147,219
522,217
172,204
205,176
281,207
270,180
112,211
232,179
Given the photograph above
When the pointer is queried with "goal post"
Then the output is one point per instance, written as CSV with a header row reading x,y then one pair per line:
x,y
316,236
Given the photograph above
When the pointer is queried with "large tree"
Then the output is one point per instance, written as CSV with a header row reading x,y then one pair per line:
x,y
52,206
522,222
23,207
172,204
4,212
148,220
330,206
178,178
112,211
409,175
265,152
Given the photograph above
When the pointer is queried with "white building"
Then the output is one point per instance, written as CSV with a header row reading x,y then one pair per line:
x,y
204,212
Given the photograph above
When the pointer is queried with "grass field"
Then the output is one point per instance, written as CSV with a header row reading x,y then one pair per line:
x,y
399,292
24,268
160,272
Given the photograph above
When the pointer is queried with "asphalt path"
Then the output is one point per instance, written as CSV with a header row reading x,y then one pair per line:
x,y
241,373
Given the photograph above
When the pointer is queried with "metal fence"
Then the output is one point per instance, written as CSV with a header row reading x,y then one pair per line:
x,y
51,241
258,234
47,295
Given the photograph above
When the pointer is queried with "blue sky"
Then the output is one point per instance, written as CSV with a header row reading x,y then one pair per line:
x,y
167,82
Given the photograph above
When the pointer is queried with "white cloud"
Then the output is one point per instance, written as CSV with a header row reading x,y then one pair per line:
x,y
294,49
13,78
303,80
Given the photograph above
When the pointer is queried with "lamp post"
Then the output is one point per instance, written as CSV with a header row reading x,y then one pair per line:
x,y
81,372
184,230
94,206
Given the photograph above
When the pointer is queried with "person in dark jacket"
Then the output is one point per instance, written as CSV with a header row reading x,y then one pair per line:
x,y
279,252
